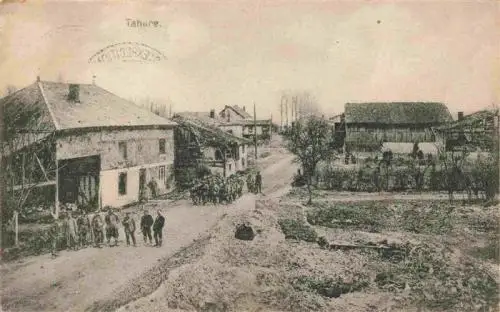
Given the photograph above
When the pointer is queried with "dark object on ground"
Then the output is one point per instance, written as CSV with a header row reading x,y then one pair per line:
x,y
244,232
322,242
299,180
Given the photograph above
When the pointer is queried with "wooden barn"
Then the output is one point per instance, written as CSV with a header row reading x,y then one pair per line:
x,y
368,125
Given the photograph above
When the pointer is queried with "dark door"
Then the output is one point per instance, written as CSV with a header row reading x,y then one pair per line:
x,y
142,181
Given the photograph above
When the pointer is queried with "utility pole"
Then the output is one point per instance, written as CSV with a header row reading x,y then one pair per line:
x,y
497,143
294,107
271,126
286,111
281,111
255,129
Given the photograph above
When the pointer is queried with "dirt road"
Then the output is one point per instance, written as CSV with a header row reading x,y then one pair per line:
x,y
74,280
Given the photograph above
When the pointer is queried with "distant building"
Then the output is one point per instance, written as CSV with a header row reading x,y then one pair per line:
x,y
232,113
203,138
474,132
238,117
368,125
85,145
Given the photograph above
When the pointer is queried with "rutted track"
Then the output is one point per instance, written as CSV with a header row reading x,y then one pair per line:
x,y
150,280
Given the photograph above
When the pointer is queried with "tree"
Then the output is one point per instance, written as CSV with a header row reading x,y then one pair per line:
x,y
311,140
10,89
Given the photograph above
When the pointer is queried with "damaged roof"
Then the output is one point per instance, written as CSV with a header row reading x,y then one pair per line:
x,y
238,110
207,125
397,113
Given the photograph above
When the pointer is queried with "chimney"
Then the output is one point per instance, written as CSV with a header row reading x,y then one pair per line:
x,y
74,93
244,109
38,78
212,113
460,115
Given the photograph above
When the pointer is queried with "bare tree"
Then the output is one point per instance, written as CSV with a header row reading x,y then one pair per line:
x,y
312,141
10,89
301,104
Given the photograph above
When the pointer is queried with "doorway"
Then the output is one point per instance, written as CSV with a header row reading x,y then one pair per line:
x,y
142,182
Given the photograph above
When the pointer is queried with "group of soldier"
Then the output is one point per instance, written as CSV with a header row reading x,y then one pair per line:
x,y
77,230
216,189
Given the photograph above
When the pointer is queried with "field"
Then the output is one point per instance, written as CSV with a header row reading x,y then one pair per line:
x,y
391,255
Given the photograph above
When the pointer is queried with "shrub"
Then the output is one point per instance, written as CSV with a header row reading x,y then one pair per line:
x,y
265,154
329,287
295,229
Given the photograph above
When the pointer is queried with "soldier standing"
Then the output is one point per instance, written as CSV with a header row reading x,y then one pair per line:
x,y
258,183
71,231
112,222
129,227
146,223
83,229
97,230
56,234
158,229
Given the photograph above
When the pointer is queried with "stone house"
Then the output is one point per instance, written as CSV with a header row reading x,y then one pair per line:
x,y
102,150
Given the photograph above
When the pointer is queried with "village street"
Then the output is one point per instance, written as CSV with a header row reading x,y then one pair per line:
x,y
75,279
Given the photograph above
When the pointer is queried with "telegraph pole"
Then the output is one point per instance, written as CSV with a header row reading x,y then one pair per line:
x,y
255,129
281,111
497,145
286,111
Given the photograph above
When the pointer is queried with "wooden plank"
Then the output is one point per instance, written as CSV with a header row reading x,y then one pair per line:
x,y
19,187
41,167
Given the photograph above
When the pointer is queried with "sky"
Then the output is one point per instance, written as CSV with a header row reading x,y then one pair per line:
x,y
239,53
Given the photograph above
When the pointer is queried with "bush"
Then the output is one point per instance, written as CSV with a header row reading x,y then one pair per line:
x,y
264,154
295,229
329,287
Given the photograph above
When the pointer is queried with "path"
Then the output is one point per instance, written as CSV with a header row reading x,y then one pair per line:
x,y
74,280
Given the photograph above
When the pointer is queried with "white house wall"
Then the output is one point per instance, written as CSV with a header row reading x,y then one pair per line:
x,y
143,151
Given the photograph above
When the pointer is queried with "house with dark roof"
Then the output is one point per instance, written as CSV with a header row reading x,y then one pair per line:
x,y
202,138
368,125
237,118
84,145
473,132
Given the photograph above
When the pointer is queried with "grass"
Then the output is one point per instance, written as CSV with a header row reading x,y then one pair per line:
x,y
329,287
429,217
299,230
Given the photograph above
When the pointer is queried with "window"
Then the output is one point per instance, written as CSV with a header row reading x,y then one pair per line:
x,y
161,174
243,162
229,167
218,155
122,146
139,147
243,148
122,183
162,146
230,131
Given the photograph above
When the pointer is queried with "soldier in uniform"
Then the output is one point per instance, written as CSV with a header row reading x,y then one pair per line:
x,y
56,236
112,222
83,229
146,223
129,227
258,183
250,183
204,192
71,231
97,230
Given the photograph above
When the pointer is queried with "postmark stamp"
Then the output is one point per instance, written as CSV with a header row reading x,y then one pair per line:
x,y
127,52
